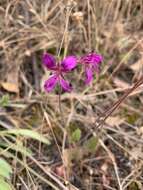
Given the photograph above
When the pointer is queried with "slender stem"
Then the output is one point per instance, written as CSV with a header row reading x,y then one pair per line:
x,y
68,13
60,106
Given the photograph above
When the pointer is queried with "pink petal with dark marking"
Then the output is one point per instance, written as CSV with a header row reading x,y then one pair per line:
x,y
69,63
65,85
51,83
89,75
48,61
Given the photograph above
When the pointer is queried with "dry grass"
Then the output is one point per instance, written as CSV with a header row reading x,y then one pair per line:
x,y
114,159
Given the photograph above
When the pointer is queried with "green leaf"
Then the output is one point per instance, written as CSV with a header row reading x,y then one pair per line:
x,y
28,133
135,186
4,185
5,168
91,144
17,147
76,135
132,118
4,101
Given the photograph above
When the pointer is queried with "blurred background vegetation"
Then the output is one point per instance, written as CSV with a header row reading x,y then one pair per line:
x,y
42,148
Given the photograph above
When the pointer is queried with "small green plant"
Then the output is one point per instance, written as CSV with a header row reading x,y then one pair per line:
x,y
5,172
4,101
76,135
91,144
9,141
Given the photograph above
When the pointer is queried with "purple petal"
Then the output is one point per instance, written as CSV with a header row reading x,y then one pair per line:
x,y
65,85
91,58
51,83
96,67
89,75
96,58
48,61
69,63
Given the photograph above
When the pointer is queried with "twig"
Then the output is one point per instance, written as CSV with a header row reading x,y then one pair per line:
x,y
100,121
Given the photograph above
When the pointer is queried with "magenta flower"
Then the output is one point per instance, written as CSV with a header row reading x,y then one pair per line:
x,y
92,63
58,71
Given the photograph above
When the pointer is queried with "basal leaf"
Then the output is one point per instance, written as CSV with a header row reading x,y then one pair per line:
x,y
76,135
4,185
5,168
29,133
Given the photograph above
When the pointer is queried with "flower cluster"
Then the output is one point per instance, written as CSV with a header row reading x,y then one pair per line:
x,y
91,62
